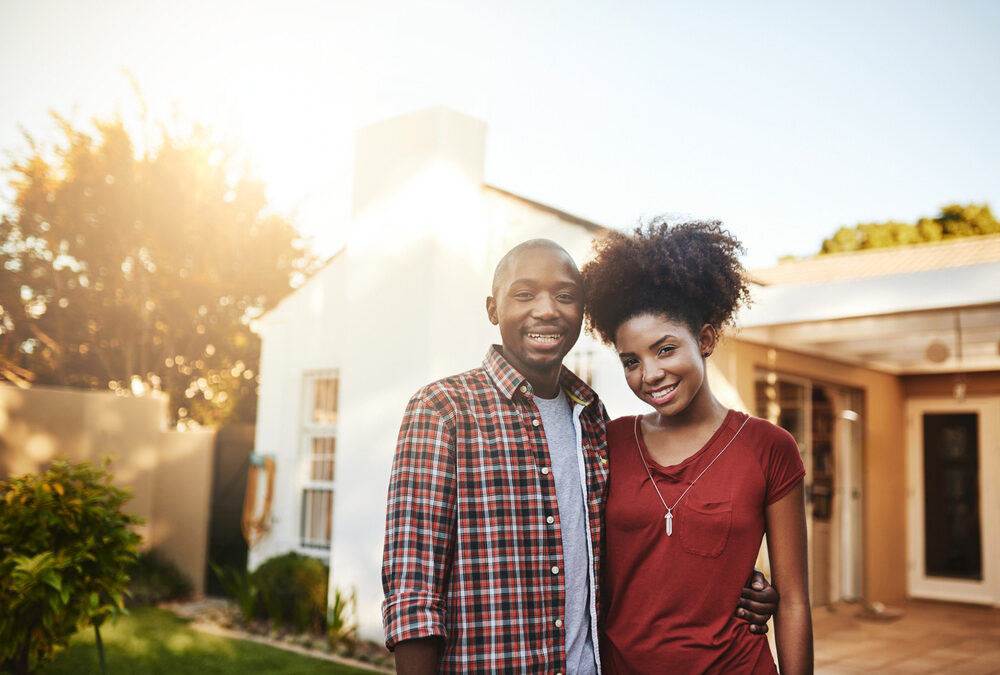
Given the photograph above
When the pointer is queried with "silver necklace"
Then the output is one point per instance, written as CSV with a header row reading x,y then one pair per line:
x,y
669,517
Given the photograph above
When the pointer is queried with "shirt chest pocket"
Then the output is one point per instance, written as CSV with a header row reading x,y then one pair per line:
x,y
703,527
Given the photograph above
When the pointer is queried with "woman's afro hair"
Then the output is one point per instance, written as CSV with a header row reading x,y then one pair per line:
x,y
689,271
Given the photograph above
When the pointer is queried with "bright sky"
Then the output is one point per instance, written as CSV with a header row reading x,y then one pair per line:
x,y
784,119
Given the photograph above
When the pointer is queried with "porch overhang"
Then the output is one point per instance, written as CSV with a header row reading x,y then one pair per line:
x,y
932,321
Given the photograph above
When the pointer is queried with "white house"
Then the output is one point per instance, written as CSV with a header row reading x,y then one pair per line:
x,y
401,305
851,353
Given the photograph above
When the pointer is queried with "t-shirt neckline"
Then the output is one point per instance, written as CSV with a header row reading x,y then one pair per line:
x,y
675,469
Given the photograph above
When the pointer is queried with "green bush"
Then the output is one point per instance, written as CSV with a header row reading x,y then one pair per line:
x,y
65,549
292,591
155,579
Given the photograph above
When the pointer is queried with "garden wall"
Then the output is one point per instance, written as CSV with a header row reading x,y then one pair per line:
x,y
169,472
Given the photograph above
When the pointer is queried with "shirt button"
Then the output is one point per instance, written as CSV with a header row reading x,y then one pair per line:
x,y
550,520
524,390
534,423
545,470
558,623
555,569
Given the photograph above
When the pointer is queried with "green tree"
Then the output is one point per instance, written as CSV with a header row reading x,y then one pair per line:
x,y
65,550
141,270
954,221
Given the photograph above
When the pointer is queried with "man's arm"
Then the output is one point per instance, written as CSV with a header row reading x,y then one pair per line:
x,y
419,537
420,656
758,602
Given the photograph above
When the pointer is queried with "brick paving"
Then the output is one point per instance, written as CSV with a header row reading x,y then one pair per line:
x,y
930,637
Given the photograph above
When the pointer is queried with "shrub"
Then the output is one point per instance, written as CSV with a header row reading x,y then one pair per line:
x,y
292,591
155,578
65,548
239,585
342,619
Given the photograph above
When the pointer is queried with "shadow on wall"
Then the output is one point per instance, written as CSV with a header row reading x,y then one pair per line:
x,y
168,472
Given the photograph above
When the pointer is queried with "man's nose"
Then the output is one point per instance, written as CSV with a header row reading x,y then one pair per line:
x,y
545,307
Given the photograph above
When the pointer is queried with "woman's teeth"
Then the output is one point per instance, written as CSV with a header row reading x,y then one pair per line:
x,y
662,393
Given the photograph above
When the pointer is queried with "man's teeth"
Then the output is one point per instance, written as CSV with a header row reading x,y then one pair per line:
x,y
545,338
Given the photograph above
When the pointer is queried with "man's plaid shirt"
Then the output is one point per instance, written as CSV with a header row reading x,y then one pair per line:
x,y
473,551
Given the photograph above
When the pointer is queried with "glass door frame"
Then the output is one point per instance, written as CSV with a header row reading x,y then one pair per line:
x,y
919,584
847,517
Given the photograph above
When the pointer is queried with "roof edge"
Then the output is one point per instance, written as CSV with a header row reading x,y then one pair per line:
x,y
576,220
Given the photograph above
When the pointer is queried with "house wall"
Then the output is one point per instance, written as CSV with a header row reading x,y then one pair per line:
x,y
389,320
976,384
401,306
733,368
169,473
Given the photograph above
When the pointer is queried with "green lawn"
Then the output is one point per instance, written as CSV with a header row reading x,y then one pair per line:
x,y
155,641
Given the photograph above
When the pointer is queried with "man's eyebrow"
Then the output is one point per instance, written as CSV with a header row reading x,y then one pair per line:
x,y
529,281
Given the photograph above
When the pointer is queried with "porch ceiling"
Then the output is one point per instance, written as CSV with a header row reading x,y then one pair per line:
x,y
901,324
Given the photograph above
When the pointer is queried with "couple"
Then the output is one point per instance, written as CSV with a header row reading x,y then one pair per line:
x,y
517,513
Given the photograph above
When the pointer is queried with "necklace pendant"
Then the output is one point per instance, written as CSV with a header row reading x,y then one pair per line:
x,y
670,523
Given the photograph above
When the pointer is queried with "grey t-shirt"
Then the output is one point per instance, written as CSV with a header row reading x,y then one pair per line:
x,y
557,420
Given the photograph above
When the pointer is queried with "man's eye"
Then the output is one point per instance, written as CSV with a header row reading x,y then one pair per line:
x,y
523,295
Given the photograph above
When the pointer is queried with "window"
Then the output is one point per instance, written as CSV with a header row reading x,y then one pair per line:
x,y
319,437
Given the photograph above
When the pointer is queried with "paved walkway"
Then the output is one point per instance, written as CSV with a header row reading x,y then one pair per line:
x,y
930,637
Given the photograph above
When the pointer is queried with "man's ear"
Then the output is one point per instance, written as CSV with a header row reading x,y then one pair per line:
x,y
491,310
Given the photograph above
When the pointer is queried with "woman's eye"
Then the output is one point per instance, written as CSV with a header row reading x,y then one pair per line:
x,y
629,363
666,349
565,297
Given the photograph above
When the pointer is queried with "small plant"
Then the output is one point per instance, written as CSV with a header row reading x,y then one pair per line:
x,y
156,579
293,591
240,586
65,550
342,619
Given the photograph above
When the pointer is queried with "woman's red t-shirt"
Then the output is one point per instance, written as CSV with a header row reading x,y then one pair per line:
x,y
671,601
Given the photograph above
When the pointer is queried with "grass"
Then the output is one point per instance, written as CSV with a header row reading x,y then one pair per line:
x,y
155,641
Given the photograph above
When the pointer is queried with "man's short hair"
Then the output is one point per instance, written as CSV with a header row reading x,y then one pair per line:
x,y
511,255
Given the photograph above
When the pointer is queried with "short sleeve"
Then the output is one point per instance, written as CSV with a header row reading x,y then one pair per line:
x,y
784,466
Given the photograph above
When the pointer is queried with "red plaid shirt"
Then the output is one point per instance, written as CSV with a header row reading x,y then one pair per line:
x,y
469,550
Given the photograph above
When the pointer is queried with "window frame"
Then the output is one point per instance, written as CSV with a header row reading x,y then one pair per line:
x,y
311,488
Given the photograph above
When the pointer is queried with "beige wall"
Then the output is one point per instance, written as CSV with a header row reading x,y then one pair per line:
x,y
976,384
168,472
733,370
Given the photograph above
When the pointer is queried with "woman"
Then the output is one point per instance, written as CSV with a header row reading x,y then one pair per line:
x,y
693,485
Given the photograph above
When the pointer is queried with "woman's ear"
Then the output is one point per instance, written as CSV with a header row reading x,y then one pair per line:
x,y
707,339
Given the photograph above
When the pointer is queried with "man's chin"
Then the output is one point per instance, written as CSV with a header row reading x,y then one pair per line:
x,y
546,361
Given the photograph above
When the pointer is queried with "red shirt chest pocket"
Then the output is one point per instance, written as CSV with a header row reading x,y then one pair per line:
x,y
703,527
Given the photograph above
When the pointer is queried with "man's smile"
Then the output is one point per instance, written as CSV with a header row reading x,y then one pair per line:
x,y
545,338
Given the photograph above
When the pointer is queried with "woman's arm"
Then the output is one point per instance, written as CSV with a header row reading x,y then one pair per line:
x,y
786,546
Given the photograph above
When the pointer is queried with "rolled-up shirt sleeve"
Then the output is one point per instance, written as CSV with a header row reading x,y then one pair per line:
x,y
420,523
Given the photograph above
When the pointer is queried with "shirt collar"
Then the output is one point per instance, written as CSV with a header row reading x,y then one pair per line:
x,y
509,381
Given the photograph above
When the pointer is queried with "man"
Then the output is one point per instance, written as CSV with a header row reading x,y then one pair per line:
x,y
493,540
